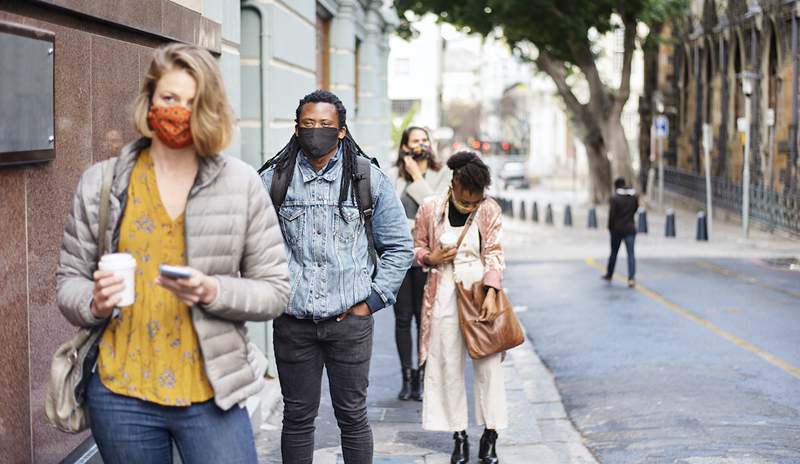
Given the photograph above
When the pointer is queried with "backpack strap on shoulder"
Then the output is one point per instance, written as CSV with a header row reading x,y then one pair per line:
x,y
281,178
364,192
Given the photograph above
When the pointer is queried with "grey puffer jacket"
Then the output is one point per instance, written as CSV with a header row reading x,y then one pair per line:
x,y
232,234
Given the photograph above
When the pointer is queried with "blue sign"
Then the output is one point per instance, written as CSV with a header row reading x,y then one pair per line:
x,y
662,126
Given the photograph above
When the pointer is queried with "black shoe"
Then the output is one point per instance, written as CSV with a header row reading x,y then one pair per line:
x,y
418,384
487,454
405,390
606,277
461,448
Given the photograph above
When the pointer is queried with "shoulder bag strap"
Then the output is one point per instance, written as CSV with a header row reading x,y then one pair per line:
x,y
105,203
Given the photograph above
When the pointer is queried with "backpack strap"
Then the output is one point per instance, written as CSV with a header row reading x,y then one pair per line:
x,y
364,192
281,178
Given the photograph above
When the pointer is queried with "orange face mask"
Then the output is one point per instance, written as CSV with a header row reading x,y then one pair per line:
x,y
171,124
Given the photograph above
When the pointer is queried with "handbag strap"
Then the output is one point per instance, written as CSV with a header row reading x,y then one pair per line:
x,y
105,204
466,228
105,200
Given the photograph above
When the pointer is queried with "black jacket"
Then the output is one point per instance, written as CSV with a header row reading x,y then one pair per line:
x,y
621,211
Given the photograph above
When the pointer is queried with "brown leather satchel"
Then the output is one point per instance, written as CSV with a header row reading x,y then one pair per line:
x,y
484,338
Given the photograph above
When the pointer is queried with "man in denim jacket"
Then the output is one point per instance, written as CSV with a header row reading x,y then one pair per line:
x,y
333,292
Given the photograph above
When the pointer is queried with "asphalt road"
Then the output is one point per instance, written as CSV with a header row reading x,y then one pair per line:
x,y
700,364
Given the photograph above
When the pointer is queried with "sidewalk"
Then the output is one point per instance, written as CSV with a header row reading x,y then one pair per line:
x,y
581,242
539,430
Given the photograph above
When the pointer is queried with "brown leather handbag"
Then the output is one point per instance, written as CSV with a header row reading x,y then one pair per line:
x,y
484,338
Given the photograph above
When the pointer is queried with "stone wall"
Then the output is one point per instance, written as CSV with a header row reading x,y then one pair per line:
x,y
102,50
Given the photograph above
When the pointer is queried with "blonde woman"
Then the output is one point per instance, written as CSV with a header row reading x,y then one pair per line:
x,y
176,367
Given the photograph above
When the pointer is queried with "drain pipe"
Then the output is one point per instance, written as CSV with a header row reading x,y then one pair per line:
x,y
795,89
265,57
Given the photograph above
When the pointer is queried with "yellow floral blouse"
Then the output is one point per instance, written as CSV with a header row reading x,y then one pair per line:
x,y
150,351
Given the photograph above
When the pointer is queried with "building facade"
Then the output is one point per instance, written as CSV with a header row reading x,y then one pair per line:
x,y
100,53
733,64
290,48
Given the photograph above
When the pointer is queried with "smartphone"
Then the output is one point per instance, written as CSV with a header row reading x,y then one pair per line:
x,y
174,272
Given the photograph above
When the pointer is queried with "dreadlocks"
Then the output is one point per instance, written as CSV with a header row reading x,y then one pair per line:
x,y
287,156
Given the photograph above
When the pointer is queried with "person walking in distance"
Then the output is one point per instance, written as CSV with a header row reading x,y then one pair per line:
x,y
417,175
349,247
175,366
441,220
621,212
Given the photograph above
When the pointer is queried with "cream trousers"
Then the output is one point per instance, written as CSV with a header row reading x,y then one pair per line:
x,y
444,406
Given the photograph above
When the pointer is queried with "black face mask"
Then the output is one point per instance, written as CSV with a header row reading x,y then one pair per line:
x,y
317,142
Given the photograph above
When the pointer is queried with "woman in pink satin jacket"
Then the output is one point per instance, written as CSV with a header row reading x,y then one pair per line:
x,y
439,224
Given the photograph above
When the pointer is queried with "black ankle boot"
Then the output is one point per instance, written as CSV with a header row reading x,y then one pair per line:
x,y
460,449
418,384
405,391
487,453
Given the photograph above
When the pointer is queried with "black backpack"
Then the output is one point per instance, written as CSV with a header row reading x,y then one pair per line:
x,y
281,179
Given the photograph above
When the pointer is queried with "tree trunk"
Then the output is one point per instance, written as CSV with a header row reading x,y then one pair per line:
x,y
599,171
618,146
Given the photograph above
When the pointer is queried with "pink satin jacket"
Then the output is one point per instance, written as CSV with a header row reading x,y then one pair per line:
x,y
429,227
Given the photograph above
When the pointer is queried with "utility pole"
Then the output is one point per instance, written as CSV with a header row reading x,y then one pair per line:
x,y
747,89
708,140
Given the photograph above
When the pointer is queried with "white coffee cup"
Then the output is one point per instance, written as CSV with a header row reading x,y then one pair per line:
x,y
448,239
122,265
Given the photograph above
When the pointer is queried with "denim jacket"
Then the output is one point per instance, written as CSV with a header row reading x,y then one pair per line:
x,y
329,261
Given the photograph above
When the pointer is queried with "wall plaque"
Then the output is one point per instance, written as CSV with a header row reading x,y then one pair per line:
x,y
27,133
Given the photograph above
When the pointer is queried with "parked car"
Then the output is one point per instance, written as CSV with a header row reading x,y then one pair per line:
x,y
514,174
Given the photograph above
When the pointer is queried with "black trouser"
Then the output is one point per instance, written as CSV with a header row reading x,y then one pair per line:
x,y
616,241
302,348
407,307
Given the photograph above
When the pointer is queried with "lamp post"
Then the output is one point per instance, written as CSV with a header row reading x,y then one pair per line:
x,y
748,80
708,140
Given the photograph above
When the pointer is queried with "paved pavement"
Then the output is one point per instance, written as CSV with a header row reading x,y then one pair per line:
x,y
539,428
697,365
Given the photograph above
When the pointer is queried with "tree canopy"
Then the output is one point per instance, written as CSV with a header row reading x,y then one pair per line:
x,y
562,33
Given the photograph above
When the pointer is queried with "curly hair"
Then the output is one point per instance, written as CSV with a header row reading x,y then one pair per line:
x,y
470,171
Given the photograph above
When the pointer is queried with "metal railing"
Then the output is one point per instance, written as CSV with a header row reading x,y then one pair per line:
x,y
780,210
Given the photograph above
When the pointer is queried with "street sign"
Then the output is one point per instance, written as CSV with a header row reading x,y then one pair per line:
x,y
741,124
662,126
708,136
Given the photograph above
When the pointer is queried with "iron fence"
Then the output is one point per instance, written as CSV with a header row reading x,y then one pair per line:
x,y
780,210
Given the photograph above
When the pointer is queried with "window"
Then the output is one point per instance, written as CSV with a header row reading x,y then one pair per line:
x,y
323,51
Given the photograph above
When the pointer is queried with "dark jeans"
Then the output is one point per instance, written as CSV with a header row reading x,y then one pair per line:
x,y
408,307
616,241
302,349
129,430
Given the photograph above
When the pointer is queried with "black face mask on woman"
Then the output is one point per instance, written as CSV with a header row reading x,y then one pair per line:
x,y
317,142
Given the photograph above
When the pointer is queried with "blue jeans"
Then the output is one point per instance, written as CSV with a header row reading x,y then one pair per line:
x,y
616,241
128,430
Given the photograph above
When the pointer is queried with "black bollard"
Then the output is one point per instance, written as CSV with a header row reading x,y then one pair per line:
x,y
593,218
523,213
548,215
702,227
670,226
504,206
642,226
535,212
568,216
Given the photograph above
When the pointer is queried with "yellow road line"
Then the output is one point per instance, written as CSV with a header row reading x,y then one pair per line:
x,y
766,356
